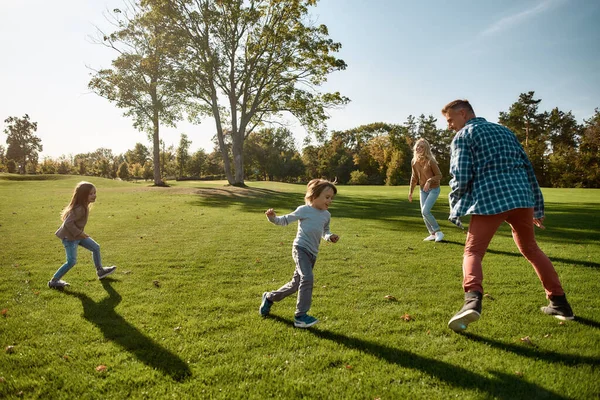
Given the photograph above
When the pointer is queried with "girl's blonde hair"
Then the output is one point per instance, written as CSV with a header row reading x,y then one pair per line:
x,y
427,154
316,187
81,196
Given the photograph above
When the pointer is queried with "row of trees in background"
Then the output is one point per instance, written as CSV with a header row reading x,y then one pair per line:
x,y
564,153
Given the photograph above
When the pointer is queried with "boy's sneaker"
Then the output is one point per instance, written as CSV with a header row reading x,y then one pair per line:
x,y
305,321
439,236
429,238
104,272
265,305
57,283
559,307
470,312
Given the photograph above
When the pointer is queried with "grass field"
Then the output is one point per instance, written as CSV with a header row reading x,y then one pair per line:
x,y
179,318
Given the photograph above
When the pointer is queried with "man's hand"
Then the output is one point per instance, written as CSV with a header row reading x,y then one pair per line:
x,y
538,222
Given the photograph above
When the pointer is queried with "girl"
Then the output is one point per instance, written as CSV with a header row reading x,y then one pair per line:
x,y
74,217
313,225
426,173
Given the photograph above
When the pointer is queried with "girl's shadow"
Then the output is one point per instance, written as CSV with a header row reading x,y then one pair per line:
x,y
116,329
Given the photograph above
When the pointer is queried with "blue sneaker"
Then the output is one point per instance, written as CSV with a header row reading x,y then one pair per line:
x,y
265,305
305,321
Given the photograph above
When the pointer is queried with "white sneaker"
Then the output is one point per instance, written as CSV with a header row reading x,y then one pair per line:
x,y
429,238
439,236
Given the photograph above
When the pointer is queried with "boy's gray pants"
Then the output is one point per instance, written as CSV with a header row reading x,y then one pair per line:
x,y
302,281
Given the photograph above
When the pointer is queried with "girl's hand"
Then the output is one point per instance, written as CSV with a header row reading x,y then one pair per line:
x,y
410,197
426,187
334,238
538,222
270,213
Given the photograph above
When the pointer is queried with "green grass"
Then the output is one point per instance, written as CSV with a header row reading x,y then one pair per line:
x,y
180,318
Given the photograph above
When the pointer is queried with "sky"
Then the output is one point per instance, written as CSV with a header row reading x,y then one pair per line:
x,y
404,58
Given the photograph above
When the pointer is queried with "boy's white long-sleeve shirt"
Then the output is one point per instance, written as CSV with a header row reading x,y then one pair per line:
x,y
313,224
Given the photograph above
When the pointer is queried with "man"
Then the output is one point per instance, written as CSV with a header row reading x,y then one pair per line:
x,y
493,181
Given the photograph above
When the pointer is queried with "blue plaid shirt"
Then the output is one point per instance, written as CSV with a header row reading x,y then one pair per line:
x,y
490,173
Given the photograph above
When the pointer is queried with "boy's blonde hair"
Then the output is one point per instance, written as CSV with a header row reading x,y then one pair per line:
x,y
427,154
316,187
80,197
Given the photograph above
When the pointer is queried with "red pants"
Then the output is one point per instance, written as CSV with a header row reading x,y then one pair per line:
x,y
481,230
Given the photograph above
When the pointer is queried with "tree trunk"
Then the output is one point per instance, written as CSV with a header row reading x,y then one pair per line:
x,y
156,151
238,159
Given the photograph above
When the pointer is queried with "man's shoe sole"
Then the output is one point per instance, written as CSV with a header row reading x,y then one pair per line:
x,y
561,317
298,324
459,322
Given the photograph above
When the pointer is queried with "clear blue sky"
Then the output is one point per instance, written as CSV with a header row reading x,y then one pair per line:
x,y
404,57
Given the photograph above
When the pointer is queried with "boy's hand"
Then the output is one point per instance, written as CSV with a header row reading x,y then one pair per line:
x,y
270,213
334,238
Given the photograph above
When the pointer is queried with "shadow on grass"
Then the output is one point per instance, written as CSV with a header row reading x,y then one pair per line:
x,y
587,322
533,352
516,253
504,386
568,223
116,329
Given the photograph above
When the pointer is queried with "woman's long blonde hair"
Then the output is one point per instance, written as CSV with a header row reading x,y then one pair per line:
x,y
81,196
427,154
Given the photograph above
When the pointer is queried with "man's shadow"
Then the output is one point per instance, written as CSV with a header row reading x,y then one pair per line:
x,y
501,386
116,329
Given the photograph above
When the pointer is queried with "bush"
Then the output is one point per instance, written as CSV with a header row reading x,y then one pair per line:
x,y
358,178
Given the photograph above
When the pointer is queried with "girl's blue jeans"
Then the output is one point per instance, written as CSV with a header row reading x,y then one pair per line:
x,y
428,199
71,251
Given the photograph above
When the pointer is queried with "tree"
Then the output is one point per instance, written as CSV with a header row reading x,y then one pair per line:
x,y
140,154
197,163
141,79
183,156
530,127
246,62
23,145
123,172
271,154
589,154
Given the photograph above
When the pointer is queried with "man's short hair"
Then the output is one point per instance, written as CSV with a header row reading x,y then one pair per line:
x,y
458,105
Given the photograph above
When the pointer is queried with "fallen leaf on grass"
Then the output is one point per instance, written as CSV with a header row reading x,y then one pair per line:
x,y
407,317
156,283
66,357
547,335
518,373
527,340
101,368
489,296
10,349
5,312
561,323
389,297
177,328
348,366
2,380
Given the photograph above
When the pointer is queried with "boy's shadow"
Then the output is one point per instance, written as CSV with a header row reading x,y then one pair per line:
x,y
116,329
502,385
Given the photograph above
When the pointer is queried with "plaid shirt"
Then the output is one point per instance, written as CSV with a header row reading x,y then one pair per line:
x,y
490,173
